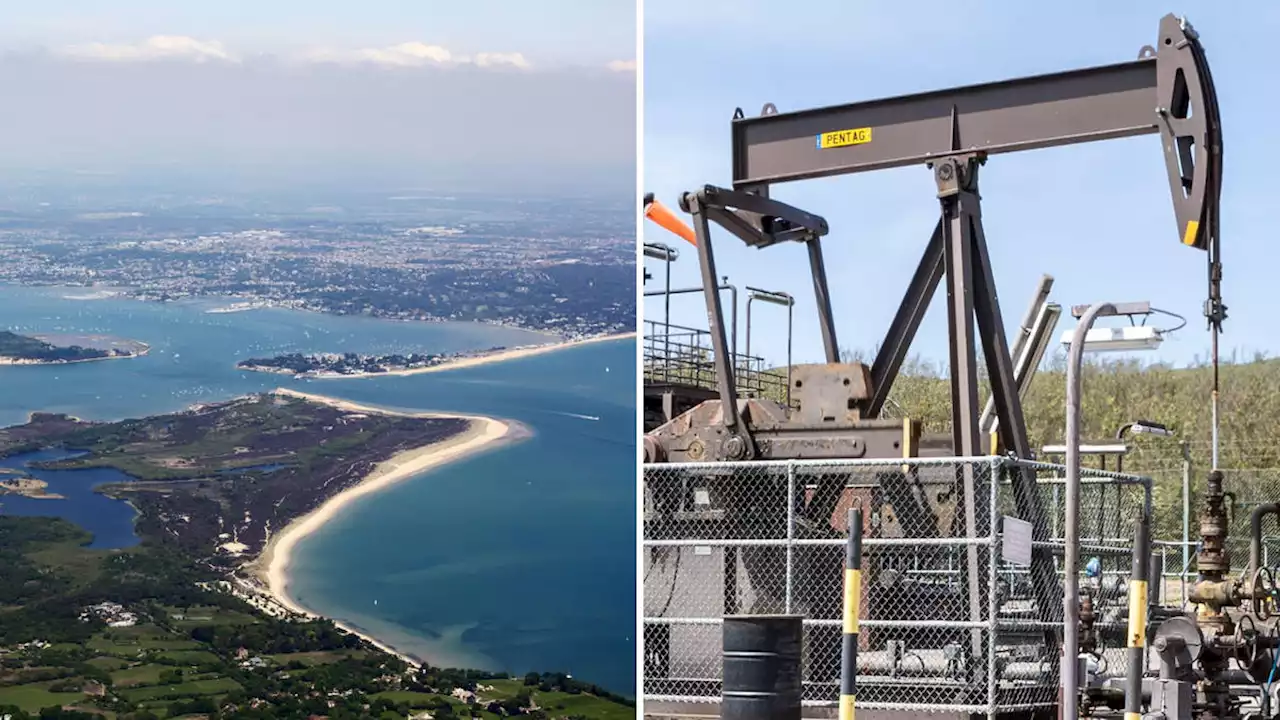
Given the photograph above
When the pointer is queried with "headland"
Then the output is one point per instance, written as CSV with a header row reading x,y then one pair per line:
x,y
18,349
482,433
350,365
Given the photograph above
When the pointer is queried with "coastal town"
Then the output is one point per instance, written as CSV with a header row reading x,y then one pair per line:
x,y
573,277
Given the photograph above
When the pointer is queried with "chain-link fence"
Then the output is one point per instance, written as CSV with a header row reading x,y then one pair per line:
x,y
948,622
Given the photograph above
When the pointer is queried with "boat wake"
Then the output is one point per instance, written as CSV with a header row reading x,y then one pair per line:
x,y
593,418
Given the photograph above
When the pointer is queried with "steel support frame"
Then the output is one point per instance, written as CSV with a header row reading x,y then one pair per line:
x,y
972,296
759,222
725,381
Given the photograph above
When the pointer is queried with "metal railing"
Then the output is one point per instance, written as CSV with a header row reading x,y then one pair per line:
x,y
678,355
949,622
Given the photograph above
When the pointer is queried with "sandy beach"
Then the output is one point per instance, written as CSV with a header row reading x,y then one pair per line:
x,y
272,565
472,361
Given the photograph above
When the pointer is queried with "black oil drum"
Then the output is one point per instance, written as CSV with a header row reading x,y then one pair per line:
x,y
762,667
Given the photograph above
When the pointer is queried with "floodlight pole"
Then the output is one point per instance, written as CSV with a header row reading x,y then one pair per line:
x,y
1071,530
666,254
1186,518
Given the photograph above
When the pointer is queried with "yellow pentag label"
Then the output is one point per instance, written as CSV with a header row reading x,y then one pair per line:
x,y
844,138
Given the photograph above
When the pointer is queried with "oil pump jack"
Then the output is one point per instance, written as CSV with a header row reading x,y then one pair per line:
x,y
837,408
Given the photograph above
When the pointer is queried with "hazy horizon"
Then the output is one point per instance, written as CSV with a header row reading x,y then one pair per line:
x,y
279,110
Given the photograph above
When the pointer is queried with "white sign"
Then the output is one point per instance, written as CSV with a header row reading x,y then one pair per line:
x,y
1016,547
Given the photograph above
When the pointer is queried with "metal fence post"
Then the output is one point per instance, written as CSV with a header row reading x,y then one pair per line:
x,y
1186,517
993,551
791,532
852,609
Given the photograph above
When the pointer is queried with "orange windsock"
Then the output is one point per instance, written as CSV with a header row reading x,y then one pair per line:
x,y
659,213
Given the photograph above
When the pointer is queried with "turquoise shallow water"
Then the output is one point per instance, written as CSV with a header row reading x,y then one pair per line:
x,y
518,559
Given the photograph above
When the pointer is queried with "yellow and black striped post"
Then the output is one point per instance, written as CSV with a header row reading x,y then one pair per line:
x,y
1137,639
852,607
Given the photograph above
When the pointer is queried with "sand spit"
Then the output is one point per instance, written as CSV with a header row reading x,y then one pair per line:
x,y
472,361
481,434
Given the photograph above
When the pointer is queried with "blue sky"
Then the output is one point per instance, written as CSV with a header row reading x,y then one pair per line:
x,y
1097,217
549,31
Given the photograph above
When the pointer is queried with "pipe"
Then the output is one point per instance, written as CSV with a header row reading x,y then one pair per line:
x,y
666,307
776,298
791,312
986,423
1120,438
1255,534
733,313
1138,600
1071,566
666,254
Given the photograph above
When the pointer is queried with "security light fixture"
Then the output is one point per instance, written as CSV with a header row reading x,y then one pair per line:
x,y
1139,427
660,251
769,296
1118,339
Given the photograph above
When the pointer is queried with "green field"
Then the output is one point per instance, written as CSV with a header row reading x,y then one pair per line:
x,y
189,657
324,657
32,698
145,674
196,616
195,688
109,663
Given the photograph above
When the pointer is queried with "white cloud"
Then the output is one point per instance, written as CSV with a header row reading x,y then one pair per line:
x,y
158,47
492,59
622,65
410,53
416,54
406,54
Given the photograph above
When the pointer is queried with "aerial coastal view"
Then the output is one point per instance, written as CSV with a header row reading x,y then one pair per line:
x,y
376,379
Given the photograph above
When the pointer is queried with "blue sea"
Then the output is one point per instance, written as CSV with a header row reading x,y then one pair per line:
x,y
518,559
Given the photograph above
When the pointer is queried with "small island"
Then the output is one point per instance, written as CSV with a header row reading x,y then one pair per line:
x,y
18,349
354,365
27,487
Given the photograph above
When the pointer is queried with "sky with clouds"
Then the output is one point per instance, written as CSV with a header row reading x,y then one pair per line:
x,y
450,94
1097,217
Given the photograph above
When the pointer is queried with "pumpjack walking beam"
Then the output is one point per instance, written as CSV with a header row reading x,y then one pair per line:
x,y
1168,90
